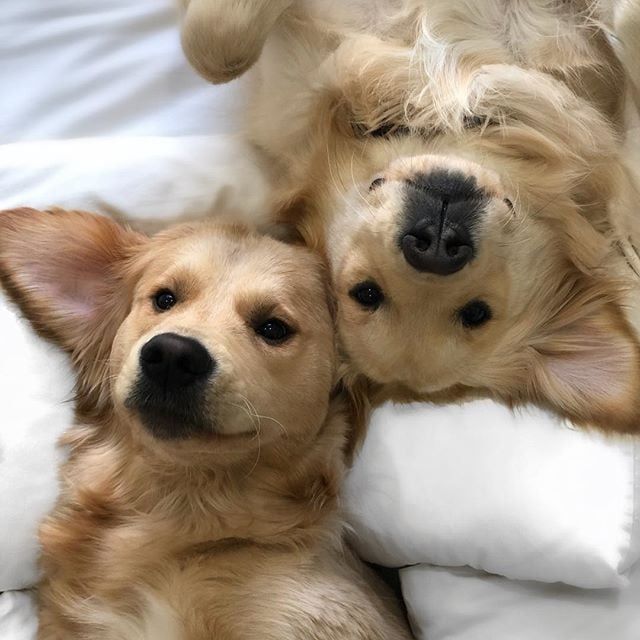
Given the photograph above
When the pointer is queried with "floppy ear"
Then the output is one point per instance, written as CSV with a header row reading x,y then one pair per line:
x,y
590,370
66,271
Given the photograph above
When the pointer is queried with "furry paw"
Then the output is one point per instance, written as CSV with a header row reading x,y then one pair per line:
x,y
223,38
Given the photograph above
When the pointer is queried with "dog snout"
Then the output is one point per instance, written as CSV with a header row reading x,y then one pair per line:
x,y
441,210
173,362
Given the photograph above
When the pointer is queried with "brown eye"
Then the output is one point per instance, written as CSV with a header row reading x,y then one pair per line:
x,y
368,295
474,314
383,130
376,183
388,129
471,121
274,331
164,300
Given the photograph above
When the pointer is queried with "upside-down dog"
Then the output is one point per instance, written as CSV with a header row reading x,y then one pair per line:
x,y
460,165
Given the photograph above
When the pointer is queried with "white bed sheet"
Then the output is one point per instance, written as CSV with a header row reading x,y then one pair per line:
x,y
463,604
166,178
86,68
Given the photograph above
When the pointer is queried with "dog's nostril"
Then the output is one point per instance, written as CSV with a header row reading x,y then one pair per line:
x,y
376,183
453,249
422,243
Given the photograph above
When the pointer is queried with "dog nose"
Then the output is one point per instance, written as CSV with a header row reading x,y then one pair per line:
x,y
441,210
174,361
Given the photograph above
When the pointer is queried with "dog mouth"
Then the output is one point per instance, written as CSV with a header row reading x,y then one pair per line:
x,y
172,415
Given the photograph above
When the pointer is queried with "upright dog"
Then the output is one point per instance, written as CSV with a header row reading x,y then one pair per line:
x,y
460,165
199,499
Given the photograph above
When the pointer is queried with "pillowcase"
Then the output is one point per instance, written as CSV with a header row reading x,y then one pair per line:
x,y
18,616
522,495
37,388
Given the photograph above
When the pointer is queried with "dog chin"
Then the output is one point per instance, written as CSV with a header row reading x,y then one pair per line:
x,y
171,416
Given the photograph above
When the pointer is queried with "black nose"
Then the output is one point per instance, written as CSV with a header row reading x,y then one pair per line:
x,y
174,361
441,209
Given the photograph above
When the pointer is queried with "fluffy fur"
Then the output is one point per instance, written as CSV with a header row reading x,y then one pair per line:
x,y
232,533
528,98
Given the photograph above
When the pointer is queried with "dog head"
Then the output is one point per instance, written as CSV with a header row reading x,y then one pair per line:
x,y
463,222
205,338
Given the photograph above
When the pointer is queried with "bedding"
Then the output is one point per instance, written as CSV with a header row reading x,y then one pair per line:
x,y
34,416
74,69
463,604
18,615
520,494
138,177
110,117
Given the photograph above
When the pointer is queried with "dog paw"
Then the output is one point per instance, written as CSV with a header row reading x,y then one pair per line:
x,y
222,39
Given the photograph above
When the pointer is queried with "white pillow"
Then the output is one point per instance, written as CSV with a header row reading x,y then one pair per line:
x,y
18,615
36,386
463,604
525,495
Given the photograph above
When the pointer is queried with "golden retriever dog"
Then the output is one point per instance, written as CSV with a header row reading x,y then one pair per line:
x,y
199,498
459,165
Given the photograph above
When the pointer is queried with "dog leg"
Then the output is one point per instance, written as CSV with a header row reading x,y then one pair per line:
x,y
224,38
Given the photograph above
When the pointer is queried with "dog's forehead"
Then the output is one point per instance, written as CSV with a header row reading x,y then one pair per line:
x,y
233,256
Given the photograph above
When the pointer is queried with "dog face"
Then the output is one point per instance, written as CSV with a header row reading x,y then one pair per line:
x,y
436,269
228,334
210,334
465,251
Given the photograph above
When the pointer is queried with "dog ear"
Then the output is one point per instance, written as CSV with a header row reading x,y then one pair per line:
x,y
66,272
589,369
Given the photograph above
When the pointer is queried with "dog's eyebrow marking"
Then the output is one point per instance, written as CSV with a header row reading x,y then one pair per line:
x,y
262,310
265,308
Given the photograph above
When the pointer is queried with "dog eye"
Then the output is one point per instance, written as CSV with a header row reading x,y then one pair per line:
x,y
274,331
164,300
477,122
474,314
376,183
383,130
367,294
470,121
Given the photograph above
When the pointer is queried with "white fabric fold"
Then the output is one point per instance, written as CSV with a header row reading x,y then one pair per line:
x,y
464,604
522,494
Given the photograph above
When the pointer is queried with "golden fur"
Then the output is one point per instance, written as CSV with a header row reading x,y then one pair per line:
x,y
527,97
231,533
